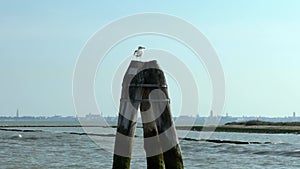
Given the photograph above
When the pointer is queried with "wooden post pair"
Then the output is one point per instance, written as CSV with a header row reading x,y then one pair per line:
x,y
144,87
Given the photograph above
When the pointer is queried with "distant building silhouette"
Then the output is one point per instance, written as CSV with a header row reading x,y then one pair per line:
x,y
91,116
17,113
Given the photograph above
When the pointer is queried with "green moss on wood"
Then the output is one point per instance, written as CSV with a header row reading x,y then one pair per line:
x,y
121,162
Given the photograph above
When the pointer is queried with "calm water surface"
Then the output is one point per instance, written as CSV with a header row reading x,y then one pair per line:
x,y
61,147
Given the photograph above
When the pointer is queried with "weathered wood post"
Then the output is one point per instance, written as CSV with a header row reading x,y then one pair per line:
x,y
145,85
127,121
149,83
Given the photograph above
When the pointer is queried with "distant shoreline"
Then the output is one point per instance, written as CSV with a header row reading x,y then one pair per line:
x,y
253,126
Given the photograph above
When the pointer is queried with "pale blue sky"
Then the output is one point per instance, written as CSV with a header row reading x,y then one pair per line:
x,y
257,43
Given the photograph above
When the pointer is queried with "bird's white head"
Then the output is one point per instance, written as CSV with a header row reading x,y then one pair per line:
x,y
139,51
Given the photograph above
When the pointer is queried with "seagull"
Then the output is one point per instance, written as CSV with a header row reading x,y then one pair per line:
x,y
139,51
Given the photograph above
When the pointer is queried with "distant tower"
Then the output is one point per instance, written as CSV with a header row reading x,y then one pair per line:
x,y
17,114
294,114
211,113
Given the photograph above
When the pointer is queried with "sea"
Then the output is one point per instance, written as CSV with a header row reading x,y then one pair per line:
x,y
67,147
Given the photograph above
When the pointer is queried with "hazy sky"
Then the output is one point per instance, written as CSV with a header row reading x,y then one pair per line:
x,y
257,43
